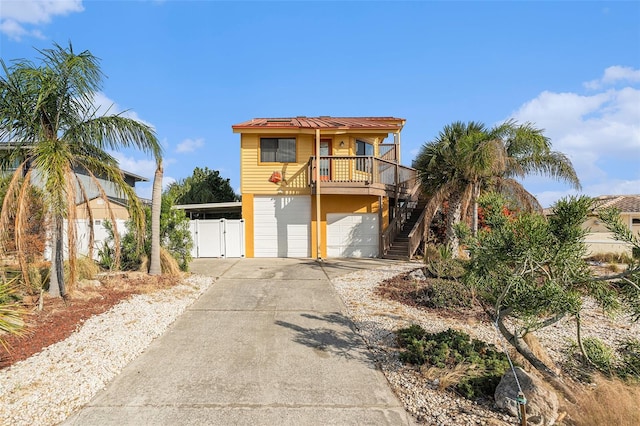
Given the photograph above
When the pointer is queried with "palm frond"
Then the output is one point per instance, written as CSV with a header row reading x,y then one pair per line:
x,y
114,131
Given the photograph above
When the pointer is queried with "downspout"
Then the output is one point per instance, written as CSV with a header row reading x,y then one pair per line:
x,y
396,208
317,173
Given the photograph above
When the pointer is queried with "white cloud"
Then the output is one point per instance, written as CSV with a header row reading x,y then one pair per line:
x,y
17,15
106,106
588,128
600,133
613,75
190,145
140,166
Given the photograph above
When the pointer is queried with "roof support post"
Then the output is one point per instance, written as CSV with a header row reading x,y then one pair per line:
x,y
317,176
396,140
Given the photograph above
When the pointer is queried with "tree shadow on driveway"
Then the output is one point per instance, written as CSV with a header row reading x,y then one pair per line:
x,y
333,337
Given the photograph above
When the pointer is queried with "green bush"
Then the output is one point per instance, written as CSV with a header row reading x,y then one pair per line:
x,y
439,263
629,351
601,358
623,362
450,348
599,353
175,237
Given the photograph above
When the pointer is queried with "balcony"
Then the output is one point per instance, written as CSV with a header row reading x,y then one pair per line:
x,y
360,175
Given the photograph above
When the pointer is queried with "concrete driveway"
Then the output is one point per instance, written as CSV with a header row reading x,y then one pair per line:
x,y
267,344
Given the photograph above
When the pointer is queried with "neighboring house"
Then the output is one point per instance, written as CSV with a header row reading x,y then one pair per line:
x,y
116,201
599,240
322,186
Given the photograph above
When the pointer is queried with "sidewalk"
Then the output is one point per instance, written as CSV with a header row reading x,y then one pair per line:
x,y
267,344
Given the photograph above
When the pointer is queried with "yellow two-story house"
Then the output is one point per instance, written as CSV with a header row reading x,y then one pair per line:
x,y
321,186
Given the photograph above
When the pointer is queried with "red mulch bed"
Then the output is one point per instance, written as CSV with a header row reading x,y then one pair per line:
x,y
406,290
59,318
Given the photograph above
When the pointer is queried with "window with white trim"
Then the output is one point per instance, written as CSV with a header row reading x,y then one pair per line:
x,y
363,149
277,150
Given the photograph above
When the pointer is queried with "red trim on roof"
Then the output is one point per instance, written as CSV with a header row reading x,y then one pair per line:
x,y
323,122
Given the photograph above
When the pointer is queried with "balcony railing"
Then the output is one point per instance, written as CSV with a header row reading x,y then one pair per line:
x,y
361,170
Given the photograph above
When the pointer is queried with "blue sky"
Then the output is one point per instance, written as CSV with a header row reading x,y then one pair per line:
x,y
192,69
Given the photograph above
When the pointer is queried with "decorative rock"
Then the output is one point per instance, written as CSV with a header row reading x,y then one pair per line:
x,y
541,405
417,275
88,284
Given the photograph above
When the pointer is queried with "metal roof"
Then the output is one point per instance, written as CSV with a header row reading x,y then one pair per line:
x,y
324,122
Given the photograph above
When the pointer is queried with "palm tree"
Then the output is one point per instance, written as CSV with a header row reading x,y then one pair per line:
x,y
155,266
47,110
466,158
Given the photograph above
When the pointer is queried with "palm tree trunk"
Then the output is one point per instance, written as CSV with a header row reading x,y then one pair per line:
x,y
155,267
56,282
474,218
453,219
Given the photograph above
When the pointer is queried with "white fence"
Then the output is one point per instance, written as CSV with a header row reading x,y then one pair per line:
x,y
82,237
217,238
211,237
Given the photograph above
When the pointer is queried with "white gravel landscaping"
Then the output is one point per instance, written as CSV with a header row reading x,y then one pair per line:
x,y
376,318
47,387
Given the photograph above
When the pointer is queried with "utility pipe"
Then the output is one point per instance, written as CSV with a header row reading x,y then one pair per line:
x,y
317,174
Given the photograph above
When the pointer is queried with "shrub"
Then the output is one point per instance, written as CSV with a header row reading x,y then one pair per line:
x,y
629,368
439,263
175,237
440,293
623,362
434,293
11,312
615,258
599,354
484,364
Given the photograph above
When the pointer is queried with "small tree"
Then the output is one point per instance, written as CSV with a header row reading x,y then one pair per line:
x,y
532,270
175,237
204,186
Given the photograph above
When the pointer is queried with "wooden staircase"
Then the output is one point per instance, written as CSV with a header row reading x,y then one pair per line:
x,y
400,246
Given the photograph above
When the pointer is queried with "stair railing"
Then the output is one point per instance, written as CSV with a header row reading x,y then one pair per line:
x,y
416,235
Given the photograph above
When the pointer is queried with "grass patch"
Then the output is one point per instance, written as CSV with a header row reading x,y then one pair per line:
x,y
610,402
622,362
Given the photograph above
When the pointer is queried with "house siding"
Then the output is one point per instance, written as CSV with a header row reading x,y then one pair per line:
x,y
255,175
599,240
100,210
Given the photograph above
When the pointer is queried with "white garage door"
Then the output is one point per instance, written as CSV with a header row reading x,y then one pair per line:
x,y
352,235
281,226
